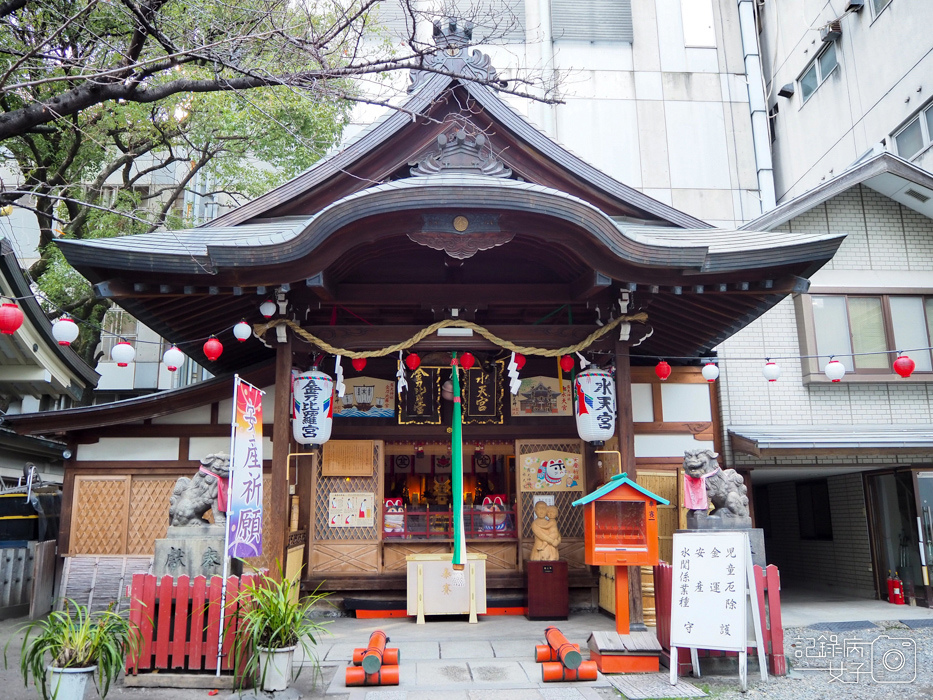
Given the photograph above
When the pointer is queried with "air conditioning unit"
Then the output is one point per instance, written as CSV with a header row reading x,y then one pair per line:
x,y
855,5
831,32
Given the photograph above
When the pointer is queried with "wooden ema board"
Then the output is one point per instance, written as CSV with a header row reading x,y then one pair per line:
x,y
713,586
636,652
165,640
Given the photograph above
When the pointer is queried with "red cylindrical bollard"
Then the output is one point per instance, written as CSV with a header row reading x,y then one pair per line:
x,y
544,652
387,675
390,657
372,659
568,653
555,671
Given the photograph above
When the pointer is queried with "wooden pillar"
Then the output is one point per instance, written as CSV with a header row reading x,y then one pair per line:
x,y
626,433
279,501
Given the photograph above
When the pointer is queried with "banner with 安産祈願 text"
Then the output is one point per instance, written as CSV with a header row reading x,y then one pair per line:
x,y
244,510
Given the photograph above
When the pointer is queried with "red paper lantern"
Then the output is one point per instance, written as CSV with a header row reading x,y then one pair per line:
x,y
213,348
566,363
903,365
413,362
11,318
519,361
359,363
467,360
663,370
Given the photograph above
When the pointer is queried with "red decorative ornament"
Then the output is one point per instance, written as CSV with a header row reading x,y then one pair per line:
x,y
903,365
11,318
519,361
412,362
213,348
467,360
566,363
359,363
663,370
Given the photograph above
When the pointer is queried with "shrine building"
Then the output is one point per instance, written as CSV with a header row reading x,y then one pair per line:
x,y
466,214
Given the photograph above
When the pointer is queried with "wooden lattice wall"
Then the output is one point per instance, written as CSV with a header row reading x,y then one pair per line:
x,y
125,514
352,549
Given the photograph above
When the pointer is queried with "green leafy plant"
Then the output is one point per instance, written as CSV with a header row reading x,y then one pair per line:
x,y
272,615
74,637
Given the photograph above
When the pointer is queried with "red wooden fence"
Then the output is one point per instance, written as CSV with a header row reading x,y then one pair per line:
x,y
177,623
769,608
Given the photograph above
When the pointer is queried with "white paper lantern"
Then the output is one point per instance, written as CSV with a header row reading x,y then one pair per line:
x,y
173,358
122,353
64,330
710,372
242,331
771,371
596,404
835,370
267,308
312,407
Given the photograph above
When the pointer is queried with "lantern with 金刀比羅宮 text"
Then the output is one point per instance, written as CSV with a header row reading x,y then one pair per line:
x,y
595,410
312,407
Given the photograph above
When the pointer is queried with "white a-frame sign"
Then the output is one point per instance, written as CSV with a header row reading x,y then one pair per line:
x,y
712,592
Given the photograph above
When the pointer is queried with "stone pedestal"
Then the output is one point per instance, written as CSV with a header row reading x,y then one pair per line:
x,y
192,550
756,536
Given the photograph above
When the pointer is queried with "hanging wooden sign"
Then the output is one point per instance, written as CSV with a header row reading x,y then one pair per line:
x,y
482,396
366,397
542,396
421,403
348,458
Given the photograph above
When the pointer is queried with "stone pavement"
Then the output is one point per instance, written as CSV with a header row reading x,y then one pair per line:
x,y
449,658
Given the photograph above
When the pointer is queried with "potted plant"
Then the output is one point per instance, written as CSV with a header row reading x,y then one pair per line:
x,y
78,643
272,622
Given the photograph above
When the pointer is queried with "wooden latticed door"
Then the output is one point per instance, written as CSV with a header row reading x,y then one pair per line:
x,y
665,483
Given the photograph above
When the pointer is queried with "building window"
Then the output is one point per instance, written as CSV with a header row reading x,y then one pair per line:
x,y
697,18
591,21
818,71
813,513
916,136
873,324
878,5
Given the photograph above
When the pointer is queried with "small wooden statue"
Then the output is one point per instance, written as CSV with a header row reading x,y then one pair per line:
x,y
547,536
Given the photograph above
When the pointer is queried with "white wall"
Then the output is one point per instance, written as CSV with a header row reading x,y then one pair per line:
x,y
885,241
885,74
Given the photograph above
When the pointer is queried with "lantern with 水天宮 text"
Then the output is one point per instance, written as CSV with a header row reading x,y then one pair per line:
x,y
312,407
595,390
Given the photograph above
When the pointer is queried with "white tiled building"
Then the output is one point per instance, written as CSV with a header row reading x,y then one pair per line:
x,y
840,471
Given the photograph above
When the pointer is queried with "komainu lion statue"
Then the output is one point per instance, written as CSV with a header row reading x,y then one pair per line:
x,y
725,488
205,491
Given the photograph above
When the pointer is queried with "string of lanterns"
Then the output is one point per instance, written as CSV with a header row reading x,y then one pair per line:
x,y
65,331
833,369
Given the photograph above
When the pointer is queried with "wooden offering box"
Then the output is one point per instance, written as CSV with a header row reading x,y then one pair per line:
x,y
620,522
